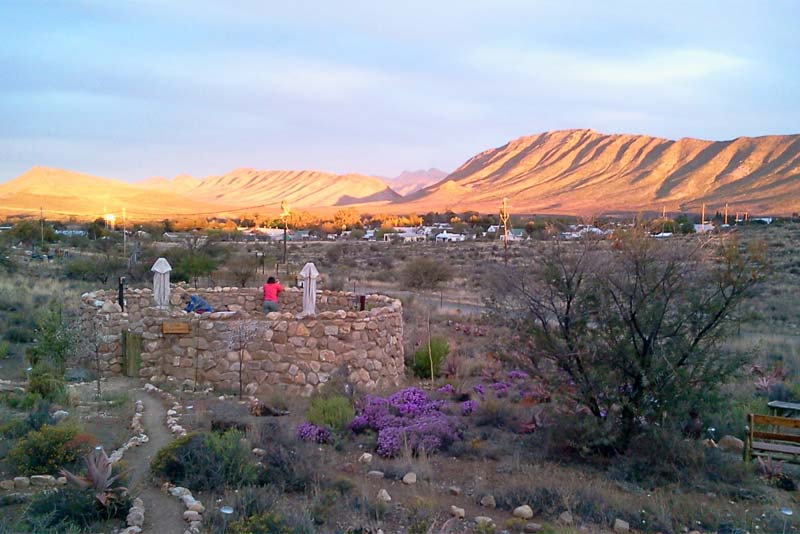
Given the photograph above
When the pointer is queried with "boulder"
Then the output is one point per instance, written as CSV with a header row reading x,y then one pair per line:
x,y
454,490
531,528
731,444
483,521
523,512
60,415
197,506
410,478
135,518
21,482
383,496
259,452
621,527
365,458
190,515
179,491
487,501
375,474
457,512
43,480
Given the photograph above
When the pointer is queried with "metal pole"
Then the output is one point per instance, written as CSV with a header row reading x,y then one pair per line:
x,y
285,229
125,239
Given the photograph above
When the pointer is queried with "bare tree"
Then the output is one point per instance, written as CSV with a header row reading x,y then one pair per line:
x,y
630,328
242,333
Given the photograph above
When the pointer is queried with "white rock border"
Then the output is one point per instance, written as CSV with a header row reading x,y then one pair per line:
x,y
194,508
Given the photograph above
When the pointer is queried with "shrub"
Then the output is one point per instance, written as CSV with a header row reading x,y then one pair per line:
x,y
408,418
44,451
334,412
493,412
19,334
44,382
425,273
63,508
424,361
269,523
14,428
204,460
313,433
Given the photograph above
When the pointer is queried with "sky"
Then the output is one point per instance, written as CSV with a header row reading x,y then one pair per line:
x,y
134,89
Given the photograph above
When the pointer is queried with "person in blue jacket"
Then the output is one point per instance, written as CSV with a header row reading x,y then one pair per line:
x,y
195,304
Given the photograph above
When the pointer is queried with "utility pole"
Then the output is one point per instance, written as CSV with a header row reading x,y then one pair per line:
x,y
504,219
285,212
41,223
726,214
703,216
664,212
125,239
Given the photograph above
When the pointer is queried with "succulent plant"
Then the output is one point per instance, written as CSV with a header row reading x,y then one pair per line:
x,y
98,477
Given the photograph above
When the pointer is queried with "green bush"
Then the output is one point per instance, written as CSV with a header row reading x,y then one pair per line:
x,y
270,523
19,334
71,507
44,451
422,359
425,273
14,428
205,460
45,382
334,412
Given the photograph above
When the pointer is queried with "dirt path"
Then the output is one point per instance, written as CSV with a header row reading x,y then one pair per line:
x,y
163,514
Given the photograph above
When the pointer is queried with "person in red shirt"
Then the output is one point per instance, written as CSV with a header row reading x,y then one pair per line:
x,y
271,290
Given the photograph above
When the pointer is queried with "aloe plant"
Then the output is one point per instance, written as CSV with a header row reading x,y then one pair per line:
x,y
98,477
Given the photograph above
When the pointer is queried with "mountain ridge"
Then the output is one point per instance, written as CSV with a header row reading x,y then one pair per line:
x,y
586,172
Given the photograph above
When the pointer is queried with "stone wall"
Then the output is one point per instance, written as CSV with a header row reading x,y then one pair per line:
x,y
276,350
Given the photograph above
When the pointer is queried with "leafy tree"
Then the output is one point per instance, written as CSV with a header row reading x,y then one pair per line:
x,y
54,338
30,232
94,268
425,273
630,331
243,269
194,265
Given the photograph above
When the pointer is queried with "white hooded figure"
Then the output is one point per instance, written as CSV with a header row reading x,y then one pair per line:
x,y
161,269
309,275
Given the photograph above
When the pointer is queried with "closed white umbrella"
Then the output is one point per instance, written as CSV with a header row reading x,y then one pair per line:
x,y
161,269
309,275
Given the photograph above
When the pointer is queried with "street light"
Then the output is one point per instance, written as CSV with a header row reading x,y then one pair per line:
x,y
226,513
787,512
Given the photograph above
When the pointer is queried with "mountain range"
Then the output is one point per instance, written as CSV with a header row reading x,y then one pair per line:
x,y
577,172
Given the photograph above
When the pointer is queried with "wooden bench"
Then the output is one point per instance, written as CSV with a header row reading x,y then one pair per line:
x,y
769,435
784,409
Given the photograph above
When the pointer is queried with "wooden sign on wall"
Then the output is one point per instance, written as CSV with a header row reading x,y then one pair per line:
x,y
174,327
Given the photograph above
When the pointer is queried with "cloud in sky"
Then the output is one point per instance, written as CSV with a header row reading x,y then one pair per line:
x,y
134,89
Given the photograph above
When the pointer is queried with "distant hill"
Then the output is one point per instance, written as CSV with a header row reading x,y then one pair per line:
x,y
577,172
586,172
71,193
409,182
64,192
302,189
180,184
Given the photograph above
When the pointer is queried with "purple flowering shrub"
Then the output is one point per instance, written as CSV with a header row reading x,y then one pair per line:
x,y
313,433
467,407
406,417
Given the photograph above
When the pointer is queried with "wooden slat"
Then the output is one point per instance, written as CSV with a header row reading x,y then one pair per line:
x,y
775,447
776,421
776,436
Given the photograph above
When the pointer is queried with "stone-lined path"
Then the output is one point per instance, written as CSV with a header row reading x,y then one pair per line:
x,y
163,514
